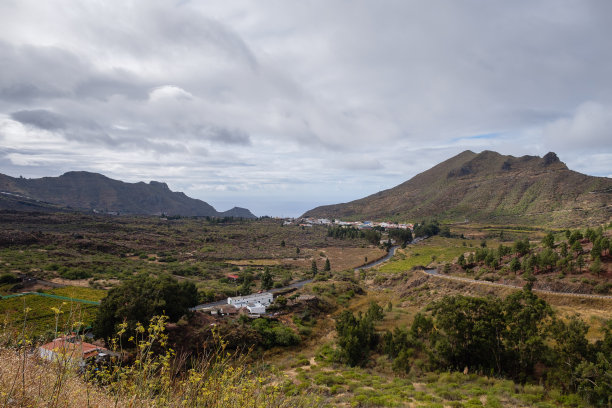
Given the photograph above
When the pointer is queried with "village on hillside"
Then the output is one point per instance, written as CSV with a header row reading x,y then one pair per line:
x,y
309,222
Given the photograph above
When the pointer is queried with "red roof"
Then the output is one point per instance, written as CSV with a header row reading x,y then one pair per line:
x,y
72,345
232,276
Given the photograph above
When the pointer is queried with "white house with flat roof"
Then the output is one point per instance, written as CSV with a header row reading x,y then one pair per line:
x,y
256,308
264,299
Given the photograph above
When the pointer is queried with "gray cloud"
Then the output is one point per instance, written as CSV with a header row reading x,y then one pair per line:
x,y
23,92
82,130
37,72
590,127
365,98
108,85
227,136
41,118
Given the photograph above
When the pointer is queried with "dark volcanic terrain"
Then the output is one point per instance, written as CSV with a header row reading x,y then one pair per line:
x,y
84,191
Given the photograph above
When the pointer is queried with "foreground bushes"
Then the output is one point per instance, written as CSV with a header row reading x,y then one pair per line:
x,y
519,338
218,379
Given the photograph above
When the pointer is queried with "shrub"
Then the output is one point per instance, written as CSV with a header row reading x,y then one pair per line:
x,y
603,288
275,334
137,299
74,274
8,278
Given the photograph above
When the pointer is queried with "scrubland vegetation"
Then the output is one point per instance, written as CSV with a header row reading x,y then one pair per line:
x,y
389,336
570,260
155,376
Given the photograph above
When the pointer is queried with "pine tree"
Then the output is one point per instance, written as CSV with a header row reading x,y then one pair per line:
x,y
327,266
266,280
596,266
564,249
461,261
596,250
549,240
314,269
515,265
605,245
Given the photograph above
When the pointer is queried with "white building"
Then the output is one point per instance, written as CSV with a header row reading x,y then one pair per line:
x,y
265,299
70,348
256,308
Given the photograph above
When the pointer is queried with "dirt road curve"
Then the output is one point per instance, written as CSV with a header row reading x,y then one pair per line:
x,y
435,273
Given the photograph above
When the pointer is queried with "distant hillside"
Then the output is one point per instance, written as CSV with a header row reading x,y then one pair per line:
x,y
84,191
488,187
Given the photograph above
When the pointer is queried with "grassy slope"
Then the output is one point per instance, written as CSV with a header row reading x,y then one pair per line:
x,y
378,385
347,386
488,187
436,249
309,368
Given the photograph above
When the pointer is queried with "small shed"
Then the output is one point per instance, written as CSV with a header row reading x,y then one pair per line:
x,y
228,310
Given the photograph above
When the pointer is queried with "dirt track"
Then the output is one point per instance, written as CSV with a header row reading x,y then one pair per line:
x,y
435,273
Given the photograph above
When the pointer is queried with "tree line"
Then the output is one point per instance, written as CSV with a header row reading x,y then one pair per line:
x,y
520,338
342,232
567,256
403,236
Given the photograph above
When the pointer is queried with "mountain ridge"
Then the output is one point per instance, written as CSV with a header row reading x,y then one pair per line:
x,y
489,187
87,191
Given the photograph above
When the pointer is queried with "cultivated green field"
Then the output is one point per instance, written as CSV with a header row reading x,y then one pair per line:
x,y
433,250
41,314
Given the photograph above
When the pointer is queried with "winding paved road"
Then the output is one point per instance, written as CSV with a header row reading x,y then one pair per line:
x,y
435,273
430,272
300,284
381,260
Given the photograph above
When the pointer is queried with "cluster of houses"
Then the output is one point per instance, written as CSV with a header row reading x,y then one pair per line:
x,y
254,305
309,222
72,349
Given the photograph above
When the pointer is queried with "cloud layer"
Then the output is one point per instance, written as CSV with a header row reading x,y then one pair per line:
x,y
280,106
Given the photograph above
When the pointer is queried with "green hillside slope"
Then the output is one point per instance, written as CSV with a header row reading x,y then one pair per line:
x,y
489,187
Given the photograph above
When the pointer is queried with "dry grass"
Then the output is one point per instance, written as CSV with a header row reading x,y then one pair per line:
x,y
84,283
154,379
26,381
340,258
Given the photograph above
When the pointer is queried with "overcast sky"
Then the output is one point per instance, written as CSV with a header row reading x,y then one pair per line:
x,y
280,106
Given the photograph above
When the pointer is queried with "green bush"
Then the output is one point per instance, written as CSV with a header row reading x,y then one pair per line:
x,y
74,274
603,288
274,333
140,298
8,278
